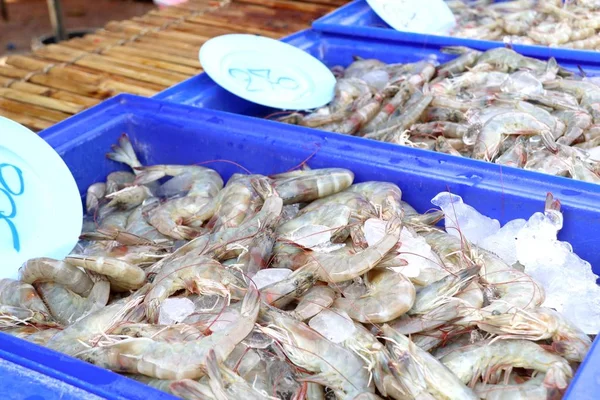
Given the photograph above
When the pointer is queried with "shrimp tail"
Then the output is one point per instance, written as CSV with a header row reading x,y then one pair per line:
x,y
216,379
124,153
190,389
147,175
251,302
262,187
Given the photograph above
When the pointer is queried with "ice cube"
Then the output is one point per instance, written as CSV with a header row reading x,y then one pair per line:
x,y
266,277
334,325
310,235
174,310
503,243
462,218
224,319
569,282
374,229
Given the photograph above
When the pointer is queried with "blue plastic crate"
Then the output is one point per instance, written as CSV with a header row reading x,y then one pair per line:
x,y
338,49
169,133
359,20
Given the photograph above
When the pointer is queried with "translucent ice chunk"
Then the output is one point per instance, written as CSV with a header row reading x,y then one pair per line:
x,y
310,235
266,277
224,319
503,243
174,310
374,229
462,218
335,325
568,281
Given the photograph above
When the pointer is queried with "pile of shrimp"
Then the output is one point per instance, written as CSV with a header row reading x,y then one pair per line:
x,y
572,24
456,323
498,106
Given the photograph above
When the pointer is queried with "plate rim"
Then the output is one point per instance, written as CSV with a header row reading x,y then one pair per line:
x,y
210,61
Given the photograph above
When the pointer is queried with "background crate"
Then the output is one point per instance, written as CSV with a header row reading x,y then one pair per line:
x,y
358,19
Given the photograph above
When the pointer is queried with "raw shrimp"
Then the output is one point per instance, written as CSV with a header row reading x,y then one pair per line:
x,y
76,337
313,302
533,389
176,360
166,333
400,98
94,196
44,269
458,64
122,275
385,196
202,185
118,180
235,202
258,254
419,373
197,274
66,306
23,295
305,186
291,288
483,358
388,295
334,267
540,324
333,216
10,316
333,365
129,197
509,123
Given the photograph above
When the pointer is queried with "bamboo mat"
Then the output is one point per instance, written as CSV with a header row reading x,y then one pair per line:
x,y
143,55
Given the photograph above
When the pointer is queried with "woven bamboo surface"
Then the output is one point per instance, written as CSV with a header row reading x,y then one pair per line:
x,y
143,55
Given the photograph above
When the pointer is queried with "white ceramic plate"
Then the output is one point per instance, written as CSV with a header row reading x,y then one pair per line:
x,y
40,206
267,72
418,16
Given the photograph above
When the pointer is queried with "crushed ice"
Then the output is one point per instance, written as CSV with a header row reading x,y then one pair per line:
x,y
174,310
335,325
569,282
266,277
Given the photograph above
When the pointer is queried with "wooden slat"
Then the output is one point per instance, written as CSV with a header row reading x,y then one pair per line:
x,y
143,55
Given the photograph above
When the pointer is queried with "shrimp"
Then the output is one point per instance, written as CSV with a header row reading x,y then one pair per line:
x,y
197,274
313,302
118,180
540,324
76,337
576,123
94,196
122,275
459,64
516,289
420,375
129,197
10,316
23,295
202,185
333,216
171,334
306,186
483,358
334,366
235,202
258,254
291,288
385,196
443,146
400,98
414,108
66,306
508,123
433,114
389,295
37,270
360,117
533,389
179,360
339,267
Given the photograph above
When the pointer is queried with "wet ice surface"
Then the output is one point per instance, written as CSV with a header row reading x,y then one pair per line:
x,y
462,218
568,281
174,310
334,325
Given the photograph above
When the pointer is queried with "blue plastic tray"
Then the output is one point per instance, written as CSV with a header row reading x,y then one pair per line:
x,y
338,49
170,133
358,19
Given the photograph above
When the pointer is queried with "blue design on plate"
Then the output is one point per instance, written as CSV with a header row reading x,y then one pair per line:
x,y
8,192
259,80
